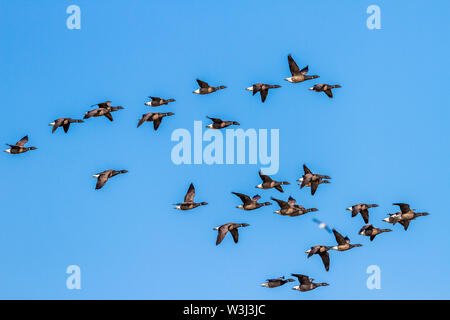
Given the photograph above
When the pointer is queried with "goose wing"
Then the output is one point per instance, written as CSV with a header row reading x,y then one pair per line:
x,y
202,84
101,180
293,67
22,142
244,198
339,238
264,178
301,278
222,232
281,203
404,207
190,194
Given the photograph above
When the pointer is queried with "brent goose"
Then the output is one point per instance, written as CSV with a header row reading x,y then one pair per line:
x,y
297,74
102,177
262,88
156,117
268,183
188,202
64,122
405,215
363,209
232,227
220,124
19,147
343,243
306,284
250,203
278,282
290,208
104,109
322,87
322,251
156,102
205,88
370,231
312,180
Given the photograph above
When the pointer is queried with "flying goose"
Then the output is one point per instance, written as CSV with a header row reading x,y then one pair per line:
x,y
363,209
19,147
290,208
205,88
278,282
156,117
188,202
343,243
297,74
321,87
322,251
64,122
405,215
250,203
370,231
268,183
312,180
262,88
156,102
232,227
220,124
306,284
322,225
104,109
102,177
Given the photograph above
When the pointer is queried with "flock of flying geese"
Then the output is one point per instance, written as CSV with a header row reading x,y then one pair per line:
x,y
287,208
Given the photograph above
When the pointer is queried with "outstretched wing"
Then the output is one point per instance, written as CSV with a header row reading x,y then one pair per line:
x,y
244,198
301,278
256,197
339,238
156,123
326,260
329,93
105,104
404,207
293,67
190,194
66,127
109,116
405,224
155,98
215,120
281,203
235,234
291,200
304,70
101,180
365,215
314,185
222,232
22,142
306,170
264,178
264,94
202,84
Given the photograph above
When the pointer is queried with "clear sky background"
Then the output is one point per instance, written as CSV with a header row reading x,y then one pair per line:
x,y
383,139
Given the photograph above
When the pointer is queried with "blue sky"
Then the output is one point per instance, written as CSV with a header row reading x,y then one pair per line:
x,y
383,139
